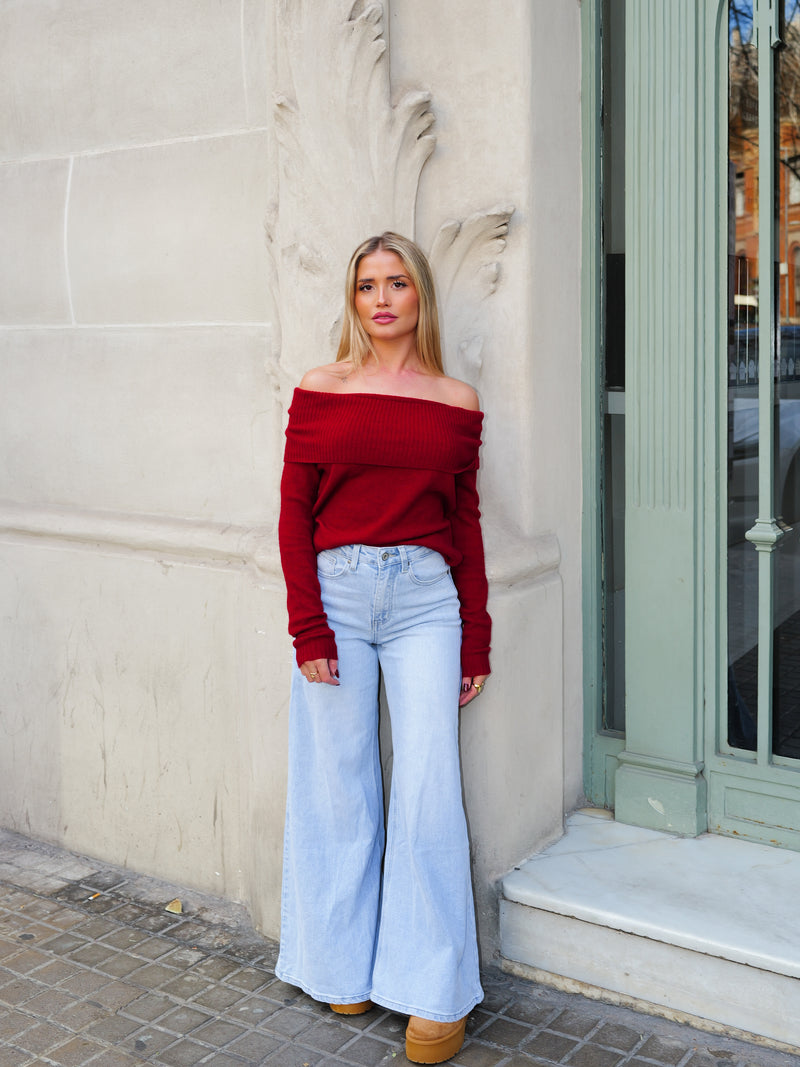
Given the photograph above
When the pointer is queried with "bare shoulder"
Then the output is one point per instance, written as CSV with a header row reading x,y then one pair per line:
x,y
326,379
459,394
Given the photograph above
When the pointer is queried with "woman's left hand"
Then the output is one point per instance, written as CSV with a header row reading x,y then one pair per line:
x,y
470,688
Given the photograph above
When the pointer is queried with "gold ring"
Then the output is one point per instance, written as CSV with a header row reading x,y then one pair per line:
x,y
478,686
312,674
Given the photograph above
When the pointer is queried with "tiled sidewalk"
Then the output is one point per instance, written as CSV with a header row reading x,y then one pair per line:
x,y
93,970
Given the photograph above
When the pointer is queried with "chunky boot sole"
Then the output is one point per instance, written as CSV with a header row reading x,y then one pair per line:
x,y
432,1042
352,1009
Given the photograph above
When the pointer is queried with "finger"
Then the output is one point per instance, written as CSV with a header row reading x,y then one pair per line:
x,y
471,688
311,670
325,675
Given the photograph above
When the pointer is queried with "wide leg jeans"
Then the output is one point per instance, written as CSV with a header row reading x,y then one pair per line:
x,y
395,926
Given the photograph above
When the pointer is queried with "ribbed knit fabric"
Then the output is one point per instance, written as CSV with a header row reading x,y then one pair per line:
x,y
381,470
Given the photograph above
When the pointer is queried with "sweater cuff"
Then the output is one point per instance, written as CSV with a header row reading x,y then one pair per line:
x,y
315,648
474,663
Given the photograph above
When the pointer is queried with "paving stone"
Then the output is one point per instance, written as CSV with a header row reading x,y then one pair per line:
x,y
287,1021
65,919
294,1057
590,1055
113,1028
186,986
474,1054
63,943
505,1032
573,1023
83,982
279,990
74,1053
550,1046
254,1045
148,1042
155,975
215,968
220,998
49,1002
18,991
14,1058
253,1011
222,1059
219,1032
152,948
367,1051
183,1020
532,1013
132,913
149,1007
154,923
27,961
41,1037
90,954
326,1036
81,1014
662,1050
116,995
116,1058
250,978
120,965
96,928
12,1023
105,879
390,1027
52,974
613,1035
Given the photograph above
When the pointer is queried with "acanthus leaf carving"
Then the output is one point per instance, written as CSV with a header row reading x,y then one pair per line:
x,y
350,166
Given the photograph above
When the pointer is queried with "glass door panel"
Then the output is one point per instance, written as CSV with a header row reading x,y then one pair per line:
x,y
763,381
786,688
743,368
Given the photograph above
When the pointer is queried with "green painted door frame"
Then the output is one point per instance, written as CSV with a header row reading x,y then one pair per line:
x,y
674,769
674,322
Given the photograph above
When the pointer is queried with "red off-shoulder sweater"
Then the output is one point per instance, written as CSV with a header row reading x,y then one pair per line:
x,y
362,468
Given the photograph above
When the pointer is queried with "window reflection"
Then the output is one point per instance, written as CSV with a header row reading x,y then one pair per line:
x,y
743,384
742,453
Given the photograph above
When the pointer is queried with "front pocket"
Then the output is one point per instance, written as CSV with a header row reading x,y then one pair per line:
x,y
332,563
427,568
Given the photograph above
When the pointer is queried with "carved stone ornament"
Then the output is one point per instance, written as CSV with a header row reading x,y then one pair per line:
x,y
350,163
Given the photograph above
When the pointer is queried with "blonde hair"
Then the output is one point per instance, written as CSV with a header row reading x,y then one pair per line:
x,y
355,343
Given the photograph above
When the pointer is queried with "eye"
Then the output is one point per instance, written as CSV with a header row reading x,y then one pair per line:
x,y
399,284
364,287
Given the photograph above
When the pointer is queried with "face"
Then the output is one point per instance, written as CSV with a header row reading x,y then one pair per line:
x,y
386,300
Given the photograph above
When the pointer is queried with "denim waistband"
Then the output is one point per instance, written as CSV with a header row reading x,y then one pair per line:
x,y
382,555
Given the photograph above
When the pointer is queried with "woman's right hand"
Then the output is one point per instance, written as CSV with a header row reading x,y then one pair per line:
x,y
321,670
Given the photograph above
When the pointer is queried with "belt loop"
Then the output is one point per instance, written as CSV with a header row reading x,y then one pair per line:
x,y
404,557
354,556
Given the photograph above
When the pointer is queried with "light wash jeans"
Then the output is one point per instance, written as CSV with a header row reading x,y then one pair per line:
x,y
403,937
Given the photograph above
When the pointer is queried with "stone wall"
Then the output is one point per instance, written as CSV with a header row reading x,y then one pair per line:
x,y
180,187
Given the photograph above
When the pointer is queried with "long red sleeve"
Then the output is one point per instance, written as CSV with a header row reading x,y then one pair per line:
x,y
381,470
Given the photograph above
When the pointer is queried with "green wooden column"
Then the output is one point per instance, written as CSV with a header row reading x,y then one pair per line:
x,y
674,293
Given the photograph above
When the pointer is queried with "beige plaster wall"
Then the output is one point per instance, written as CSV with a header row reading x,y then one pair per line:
x,y
160,235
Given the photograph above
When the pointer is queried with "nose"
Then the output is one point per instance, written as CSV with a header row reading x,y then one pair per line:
x,y
383,294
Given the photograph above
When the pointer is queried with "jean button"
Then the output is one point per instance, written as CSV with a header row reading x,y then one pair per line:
x,y
384,555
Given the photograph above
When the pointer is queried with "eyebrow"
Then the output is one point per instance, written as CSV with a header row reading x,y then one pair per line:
x,y
389,278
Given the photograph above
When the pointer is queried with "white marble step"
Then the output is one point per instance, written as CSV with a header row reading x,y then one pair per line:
x,y
706,926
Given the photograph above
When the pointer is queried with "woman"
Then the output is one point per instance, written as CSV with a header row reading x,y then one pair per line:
x,y
383,559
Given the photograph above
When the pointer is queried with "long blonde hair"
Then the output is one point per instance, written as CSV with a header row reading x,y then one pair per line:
x,y
355,343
